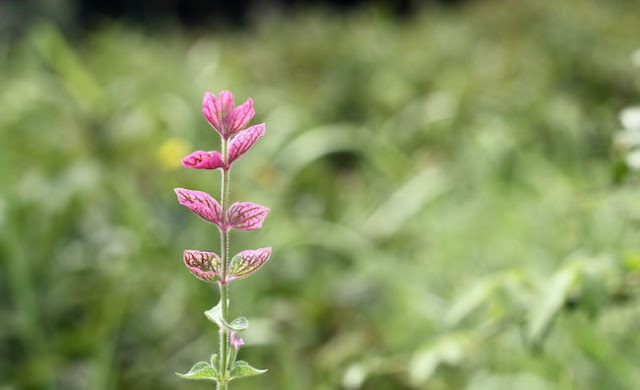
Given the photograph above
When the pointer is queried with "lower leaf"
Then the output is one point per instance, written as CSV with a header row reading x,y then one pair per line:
x,y
242,369
200,371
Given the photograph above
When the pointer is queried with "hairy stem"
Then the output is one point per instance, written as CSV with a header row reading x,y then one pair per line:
x,y
224,255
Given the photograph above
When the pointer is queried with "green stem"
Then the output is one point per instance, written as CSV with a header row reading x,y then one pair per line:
x,y
224,256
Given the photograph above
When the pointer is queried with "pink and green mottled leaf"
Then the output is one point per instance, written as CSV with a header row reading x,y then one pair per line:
x,y
246,216
247,262
238,118
244,141
203,265
204,160
202,204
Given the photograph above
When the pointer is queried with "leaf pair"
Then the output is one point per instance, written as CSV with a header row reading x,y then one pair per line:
x,y
207,266
209,371
240,216
237,147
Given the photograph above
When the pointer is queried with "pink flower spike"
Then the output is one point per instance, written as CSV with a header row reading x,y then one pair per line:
x,y
246,216
244,141
247,262
236,342
238,118
202,204
203,265
204,160
223,116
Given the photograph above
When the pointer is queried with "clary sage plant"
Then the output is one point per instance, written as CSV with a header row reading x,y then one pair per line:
x,y
229,121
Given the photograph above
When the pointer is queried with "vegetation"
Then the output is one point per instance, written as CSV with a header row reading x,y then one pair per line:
x,y
446,209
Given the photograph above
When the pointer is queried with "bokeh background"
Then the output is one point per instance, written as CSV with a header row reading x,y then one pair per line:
x,y
449,209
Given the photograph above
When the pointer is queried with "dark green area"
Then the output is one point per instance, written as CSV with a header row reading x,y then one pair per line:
x,y
443,209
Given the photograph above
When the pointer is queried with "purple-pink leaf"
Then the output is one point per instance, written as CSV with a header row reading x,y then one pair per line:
x,y
238,118
244,141
212,110
203,265
202,204
247,262
246,216
226,103
204,160
223,116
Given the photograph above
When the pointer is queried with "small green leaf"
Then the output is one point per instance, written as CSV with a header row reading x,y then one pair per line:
x,y
200,371
215,315
241,369
239,324
215,361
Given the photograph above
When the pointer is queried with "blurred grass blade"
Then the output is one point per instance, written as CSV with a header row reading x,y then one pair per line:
x,y
405,202
550,302
56,53
316,143
473,298
450,349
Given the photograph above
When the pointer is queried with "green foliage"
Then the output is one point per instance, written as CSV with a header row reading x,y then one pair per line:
x,y
215,315
242,369
429,180
201,370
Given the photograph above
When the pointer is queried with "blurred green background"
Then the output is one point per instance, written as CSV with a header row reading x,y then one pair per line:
x,y
447,208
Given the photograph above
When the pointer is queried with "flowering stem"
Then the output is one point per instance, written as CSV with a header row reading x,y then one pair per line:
x,y
224,257
229,121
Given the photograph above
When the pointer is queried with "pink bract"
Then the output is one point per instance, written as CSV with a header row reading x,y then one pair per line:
x,y
202,204
246,216
204,160
223,116
240,216
244,141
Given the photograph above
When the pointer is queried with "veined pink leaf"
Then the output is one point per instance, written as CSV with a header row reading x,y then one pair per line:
x,y
244,141
204,160
247,262
212,110
226,103
202,204
203,265
238,118
246,216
